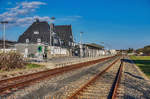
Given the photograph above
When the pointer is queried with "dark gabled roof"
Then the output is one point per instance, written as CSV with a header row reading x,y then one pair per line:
x,y
95,45
64,32
41,27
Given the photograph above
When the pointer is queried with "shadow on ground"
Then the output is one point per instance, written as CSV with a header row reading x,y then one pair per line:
x,y
131,97
144,65
138,77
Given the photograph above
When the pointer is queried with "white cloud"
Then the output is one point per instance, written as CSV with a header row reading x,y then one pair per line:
x,y
21,9
26,21
31,5
29,20
20,14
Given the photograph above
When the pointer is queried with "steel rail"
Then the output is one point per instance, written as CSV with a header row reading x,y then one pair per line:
x,y
117,81
45,74
81,89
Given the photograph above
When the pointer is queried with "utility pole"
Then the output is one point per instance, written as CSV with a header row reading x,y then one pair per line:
x,y
4,26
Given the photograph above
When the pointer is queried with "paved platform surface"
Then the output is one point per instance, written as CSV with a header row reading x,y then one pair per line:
x,y
50,64
64,61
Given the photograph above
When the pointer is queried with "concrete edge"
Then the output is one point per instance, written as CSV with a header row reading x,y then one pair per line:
x,y
59,65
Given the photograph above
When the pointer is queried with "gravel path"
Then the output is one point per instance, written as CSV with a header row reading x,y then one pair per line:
x,y
135,85
59,85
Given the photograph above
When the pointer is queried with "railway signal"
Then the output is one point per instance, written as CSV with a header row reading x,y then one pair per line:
x,y
39,49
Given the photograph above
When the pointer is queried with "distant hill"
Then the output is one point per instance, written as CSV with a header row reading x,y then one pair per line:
x,y
145,50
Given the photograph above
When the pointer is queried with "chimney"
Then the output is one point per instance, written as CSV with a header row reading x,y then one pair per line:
x,y
52,27
37,20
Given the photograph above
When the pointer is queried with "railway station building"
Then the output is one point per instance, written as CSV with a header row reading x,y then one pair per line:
x,y
54,40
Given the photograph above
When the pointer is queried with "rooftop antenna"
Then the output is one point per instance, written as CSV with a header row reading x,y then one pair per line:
x,y
37,19
53,18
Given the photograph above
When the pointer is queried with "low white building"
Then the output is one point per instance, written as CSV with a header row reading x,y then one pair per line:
x,y
93,50
113,52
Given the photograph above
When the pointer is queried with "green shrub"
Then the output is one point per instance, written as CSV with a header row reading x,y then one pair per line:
x,y
11,60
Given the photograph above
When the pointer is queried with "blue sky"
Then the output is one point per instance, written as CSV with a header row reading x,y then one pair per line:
x,y
119,23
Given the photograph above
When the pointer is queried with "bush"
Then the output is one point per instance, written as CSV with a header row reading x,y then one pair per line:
x,y
11,60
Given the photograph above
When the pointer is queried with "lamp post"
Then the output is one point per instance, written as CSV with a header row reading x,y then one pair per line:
x,y
81,37
4,26
109,47
51,31
26,48
81,47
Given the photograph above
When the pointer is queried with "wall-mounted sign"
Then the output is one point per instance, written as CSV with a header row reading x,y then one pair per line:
x,y
39,48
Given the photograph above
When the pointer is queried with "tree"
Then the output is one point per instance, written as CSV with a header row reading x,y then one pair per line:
x,y
130,50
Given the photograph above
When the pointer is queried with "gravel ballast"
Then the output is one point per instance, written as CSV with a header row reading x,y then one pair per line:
x,y
136,86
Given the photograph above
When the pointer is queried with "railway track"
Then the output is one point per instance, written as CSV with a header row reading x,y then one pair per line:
x,y
104,85
12,84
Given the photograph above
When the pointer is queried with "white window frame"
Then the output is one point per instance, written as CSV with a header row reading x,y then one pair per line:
x,y
39,40
27,40
36,32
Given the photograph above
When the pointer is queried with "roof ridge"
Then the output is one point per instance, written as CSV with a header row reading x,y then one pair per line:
x,y
62,25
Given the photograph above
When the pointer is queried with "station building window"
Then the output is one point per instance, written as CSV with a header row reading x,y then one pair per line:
x,y
36,32
38,40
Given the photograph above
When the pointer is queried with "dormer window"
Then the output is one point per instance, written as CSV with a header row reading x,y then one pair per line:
x,y
27,40
39,40
71,37
36,32
69,43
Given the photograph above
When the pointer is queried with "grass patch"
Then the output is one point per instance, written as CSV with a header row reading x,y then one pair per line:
x,y
27,66
1,71
143,62
30,65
